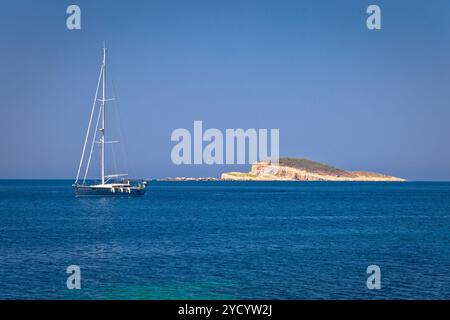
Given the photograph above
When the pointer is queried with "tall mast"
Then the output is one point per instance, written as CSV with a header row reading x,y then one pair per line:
x,y
103,113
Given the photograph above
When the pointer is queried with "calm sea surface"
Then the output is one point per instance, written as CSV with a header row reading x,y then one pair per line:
x,y
227,240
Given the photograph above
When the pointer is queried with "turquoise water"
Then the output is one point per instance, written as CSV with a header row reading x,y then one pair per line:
x,y
227,240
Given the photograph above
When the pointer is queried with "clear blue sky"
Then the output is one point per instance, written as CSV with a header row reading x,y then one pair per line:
x,y
339,93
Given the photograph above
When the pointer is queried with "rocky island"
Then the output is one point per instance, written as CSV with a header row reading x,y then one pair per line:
x,y
295,169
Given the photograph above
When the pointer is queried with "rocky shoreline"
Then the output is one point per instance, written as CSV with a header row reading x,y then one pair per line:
x,y
189,179
294,169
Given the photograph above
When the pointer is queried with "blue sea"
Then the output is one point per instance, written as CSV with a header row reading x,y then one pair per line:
x,y
227,240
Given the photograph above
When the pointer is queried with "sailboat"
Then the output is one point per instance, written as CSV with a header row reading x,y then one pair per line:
x,y
111,184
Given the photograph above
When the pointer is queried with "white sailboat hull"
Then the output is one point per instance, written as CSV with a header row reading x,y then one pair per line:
x,y
109,190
